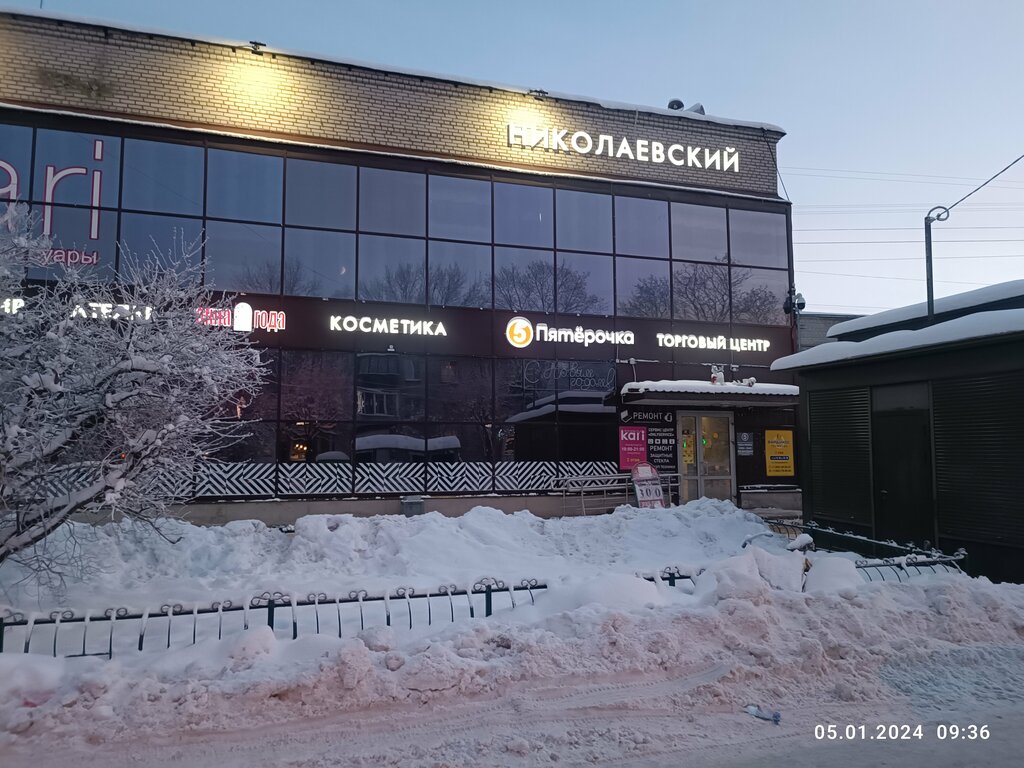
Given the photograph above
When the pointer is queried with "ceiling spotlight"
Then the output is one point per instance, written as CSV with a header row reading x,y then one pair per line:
x,y
255,45
675,104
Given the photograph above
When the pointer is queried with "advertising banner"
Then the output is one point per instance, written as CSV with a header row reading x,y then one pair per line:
x,y
632,447
648,487
778,452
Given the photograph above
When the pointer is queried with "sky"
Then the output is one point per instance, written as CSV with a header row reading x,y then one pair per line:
x,y
890,108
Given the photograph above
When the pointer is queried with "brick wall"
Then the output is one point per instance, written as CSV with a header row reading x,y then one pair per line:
x,y
107,71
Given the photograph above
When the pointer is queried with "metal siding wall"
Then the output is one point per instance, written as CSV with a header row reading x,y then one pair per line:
x,y
840,461
979,424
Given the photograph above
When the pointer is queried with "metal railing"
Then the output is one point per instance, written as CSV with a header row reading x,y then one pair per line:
x,y
66,632
594,494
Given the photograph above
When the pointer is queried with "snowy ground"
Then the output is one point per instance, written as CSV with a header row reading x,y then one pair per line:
x,y
606,669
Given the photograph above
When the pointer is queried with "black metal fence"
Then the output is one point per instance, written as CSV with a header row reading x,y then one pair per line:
x,y
118,630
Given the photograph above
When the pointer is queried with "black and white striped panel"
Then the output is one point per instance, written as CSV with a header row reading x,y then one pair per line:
x,y
459,476
235,479
174,484
327,479
524,475
64,480
390,478
585,468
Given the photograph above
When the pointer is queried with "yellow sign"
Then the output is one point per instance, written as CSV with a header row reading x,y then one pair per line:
x,y
778,452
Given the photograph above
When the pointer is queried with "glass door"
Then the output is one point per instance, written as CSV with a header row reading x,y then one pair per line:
x,y
706,464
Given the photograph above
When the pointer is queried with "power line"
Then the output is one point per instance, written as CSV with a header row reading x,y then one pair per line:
x,y
914,258
982,186
886,277
886,173
895,229
891,242
897,181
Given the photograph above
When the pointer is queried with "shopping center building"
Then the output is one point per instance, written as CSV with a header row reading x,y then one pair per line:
x,y
463,288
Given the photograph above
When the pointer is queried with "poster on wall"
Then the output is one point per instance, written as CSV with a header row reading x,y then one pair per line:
x,y
744,443
632,447
660,427
778,453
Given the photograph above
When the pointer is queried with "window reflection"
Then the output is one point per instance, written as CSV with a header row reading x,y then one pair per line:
x,y
320,194
389,386
391,269
699,233
67,164
390,444
163,241
641,227
701,292
162,177
316,385
459,274
244,185
15,157
758,295
392,201
243,257
459,389
758,239
584,221
73,245
585,283
522,215
642,288
318,263
322,442
524,280
461,442
460,209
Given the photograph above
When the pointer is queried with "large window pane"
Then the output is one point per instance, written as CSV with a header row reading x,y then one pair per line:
x,y
584,221
642,288
66,164
585,283
316,385
459,389
392,201
758,295
699,233
318,263
320,194
461,442
701,292
641,227
758,239
321,442
243,257
258,446
525,390
391,269
522,215
524,280
161,177
160,240
389,387
72,242
242,185
460,274
390,444
15,157
460,209
589,440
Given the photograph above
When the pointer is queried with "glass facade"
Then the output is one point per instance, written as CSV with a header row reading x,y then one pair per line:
x,y
412,239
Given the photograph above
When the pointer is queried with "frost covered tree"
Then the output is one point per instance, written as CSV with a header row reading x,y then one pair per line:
x,y
111,392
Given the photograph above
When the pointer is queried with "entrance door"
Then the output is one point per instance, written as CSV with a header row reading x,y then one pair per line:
x,y
706,464
902,464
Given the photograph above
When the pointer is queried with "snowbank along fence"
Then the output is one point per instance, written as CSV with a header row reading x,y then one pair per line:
x,y
118,630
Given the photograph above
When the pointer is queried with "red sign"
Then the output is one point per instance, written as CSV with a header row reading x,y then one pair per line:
x,y
648,487
632,446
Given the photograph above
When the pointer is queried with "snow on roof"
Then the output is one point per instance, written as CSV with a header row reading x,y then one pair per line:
x,y
732,388
406,442
976,326
953,303
612,105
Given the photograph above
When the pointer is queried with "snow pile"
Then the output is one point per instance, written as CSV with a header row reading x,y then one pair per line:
x,y
598,639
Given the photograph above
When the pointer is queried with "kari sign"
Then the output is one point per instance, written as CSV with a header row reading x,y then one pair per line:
x,y
778,452
632,447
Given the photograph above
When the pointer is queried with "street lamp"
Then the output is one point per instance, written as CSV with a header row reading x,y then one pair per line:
x,y
938,213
